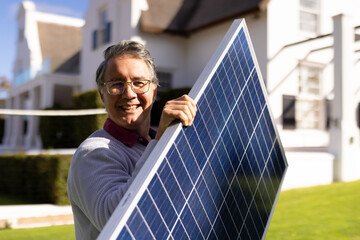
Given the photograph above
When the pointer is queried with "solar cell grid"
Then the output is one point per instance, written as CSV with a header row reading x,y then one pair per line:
x,y
220,178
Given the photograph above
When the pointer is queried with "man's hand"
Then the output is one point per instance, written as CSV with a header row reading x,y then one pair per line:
x,y
182,108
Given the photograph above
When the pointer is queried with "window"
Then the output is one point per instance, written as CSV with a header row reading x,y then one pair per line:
x,y
308,113
309,15
103,17
310,107
288,117
102,35
165,80
309,80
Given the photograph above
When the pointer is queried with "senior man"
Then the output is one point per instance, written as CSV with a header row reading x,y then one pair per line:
x,y
105,164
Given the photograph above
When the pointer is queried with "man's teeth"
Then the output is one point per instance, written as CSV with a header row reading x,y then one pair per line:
x,y
129,107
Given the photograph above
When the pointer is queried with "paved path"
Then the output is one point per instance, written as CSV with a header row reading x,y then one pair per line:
x,y
37,215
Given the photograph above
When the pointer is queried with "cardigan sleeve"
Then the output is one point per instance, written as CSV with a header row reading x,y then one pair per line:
x,y
99,176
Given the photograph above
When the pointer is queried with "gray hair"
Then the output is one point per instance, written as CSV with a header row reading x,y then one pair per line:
x,y
126,47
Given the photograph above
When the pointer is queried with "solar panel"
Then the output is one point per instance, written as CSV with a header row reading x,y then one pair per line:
x,y
219,178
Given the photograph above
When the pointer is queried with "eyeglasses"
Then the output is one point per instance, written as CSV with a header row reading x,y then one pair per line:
x,y
118,87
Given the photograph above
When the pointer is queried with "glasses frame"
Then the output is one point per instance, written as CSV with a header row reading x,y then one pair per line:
x,y
107,86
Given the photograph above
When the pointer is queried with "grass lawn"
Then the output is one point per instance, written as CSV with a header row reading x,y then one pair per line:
x,y
323,212
65,232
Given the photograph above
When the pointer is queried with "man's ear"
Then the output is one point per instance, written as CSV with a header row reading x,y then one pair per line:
x,y
100,90
155,92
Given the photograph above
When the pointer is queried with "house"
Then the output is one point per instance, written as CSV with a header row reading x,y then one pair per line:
x,y
307,50
46,71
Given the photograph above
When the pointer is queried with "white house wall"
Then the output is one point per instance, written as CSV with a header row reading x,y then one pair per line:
x,y
258,30
281,19
333,8
169,53
308,168
200,47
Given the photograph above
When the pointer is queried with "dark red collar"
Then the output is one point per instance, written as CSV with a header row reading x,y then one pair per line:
x,y
124,135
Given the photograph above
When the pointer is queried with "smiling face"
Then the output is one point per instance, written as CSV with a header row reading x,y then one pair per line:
x,y
129,110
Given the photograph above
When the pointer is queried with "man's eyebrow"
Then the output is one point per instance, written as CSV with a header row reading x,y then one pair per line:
x,y
123,79
119,79
139,78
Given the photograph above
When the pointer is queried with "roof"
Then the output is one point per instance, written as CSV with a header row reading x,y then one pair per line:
x,y
71,65
59,42
186,16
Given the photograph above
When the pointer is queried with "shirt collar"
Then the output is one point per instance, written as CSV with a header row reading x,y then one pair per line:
x,y
124,135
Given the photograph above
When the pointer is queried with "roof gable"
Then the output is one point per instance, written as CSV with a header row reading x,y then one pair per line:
x,y
58,42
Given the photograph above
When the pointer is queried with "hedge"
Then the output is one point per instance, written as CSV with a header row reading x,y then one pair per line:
x,y
2,128
58,132
70,131
35,178
86,125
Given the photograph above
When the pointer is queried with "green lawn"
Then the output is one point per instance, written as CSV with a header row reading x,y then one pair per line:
x,y
65,232
323,212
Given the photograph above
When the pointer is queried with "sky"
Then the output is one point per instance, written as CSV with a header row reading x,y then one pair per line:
x,y
8,25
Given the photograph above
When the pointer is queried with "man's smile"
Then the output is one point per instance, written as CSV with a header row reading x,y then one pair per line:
x,y
129,107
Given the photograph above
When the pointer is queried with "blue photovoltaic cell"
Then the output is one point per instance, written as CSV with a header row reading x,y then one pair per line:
x,y
220,178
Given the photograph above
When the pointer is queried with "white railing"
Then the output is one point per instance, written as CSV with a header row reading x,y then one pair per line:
x,y
32,73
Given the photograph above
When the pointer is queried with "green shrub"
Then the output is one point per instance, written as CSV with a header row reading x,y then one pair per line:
x,y
86,125
35,178
58,131
70,131
2,127
89,99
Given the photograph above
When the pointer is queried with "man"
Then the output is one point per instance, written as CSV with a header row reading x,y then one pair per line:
x,y
106,163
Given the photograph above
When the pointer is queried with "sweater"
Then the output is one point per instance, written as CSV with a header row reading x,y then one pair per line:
x,y
101,171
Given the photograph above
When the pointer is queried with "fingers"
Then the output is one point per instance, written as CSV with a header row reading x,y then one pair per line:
x,y
182,108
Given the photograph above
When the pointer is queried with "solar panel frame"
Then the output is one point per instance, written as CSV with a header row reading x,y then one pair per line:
x,y
164,154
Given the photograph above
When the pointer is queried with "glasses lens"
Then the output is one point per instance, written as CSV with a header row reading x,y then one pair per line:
x,y
138,86
115,88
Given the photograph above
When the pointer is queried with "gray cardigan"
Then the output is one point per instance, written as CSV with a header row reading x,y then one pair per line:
x,y
101,171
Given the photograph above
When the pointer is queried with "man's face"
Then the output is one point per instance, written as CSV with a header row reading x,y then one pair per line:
x,y
129,110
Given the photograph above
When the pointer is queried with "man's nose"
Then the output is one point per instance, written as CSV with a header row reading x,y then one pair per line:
x,y
128,91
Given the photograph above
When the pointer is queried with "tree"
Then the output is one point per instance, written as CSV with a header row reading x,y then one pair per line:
x,y
4,83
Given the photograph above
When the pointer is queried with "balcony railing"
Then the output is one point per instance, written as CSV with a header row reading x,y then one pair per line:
x,y
32,73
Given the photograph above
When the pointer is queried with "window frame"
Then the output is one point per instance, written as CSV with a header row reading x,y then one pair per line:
x,y
102,35
310,11
166,79
310,106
